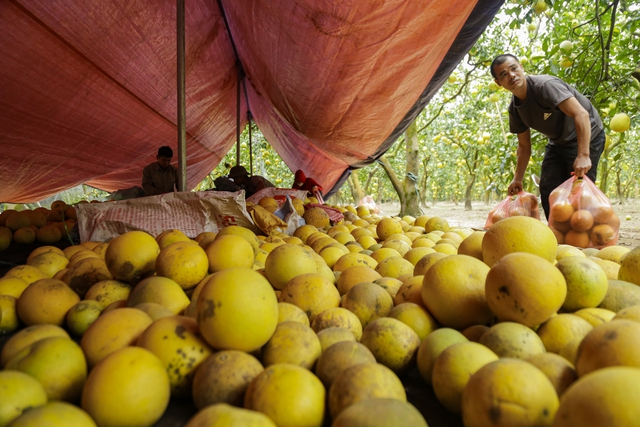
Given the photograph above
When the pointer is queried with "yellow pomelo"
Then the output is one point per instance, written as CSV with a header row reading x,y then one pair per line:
x,y
70,250
108,291
558,369
630,267
80,255
229,251
620,294
393,343
361,382
129,387
509,392
472,245
290,395
48,234
224,378
629,313
366,241
384,253
304,231
423,241
587,282
525,288
293,343
330,254
416,254
320,243
391,285
596,316
453,291
17,220
351,276
416,317
386,227
131,256
27,336
286,262
436,223
340,356
176,341
317,217
410,291
225,414
611,268
237,309
565,251
559,330
9,321
19,392
396,267
510,339
161,290
55,414
400,245
168,237
46,301
613,253
186,263
24,235
43,249
337,317
154,310
112,331
453,369
49,263
237,230
85,273
620,122
312,292
82,315
426,262
57,363
333,335
518,234
379,412
28,273
610,344
352,259
431,347
606,397
288,312
368,302
445,248
6,237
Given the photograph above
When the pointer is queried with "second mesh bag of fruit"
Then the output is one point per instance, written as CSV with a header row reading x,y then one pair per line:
x,y
521,204
581,215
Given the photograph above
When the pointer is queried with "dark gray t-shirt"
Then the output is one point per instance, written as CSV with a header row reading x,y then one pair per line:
x,y
540,110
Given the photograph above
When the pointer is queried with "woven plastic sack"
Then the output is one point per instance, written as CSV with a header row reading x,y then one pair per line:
x,y
521,204
581,215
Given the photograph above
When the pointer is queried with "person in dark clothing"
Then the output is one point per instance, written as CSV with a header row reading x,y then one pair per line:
x,y
160,176
552,107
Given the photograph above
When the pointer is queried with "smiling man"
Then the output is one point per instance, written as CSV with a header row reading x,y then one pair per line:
x,y
565,116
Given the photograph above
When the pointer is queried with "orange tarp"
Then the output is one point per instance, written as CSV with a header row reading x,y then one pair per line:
x,y
88,89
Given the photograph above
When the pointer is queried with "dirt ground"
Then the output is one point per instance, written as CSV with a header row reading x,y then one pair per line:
x,y
456,215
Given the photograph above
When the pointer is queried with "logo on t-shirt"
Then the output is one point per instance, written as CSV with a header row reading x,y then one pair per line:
x,y
547,115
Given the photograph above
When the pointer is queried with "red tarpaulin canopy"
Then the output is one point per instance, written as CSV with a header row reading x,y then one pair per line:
x,y
88,89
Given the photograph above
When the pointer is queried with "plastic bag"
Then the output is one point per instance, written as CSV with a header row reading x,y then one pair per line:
x,y
370,203
581,215
521,204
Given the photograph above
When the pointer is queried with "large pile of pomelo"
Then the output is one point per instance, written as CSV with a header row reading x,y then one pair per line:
x,y
507,327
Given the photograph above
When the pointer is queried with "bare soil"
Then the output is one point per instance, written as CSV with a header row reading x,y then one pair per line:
x,y
456,215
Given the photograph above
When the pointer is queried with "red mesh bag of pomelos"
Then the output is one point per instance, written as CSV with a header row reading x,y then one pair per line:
x,y
581,215
521,204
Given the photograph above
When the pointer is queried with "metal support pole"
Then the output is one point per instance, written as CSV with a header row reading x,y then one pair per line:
x,y
182,110
238,82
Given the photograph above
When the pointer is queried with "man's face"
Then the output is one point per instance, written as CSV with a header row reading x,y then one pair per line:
x,y
510,74
164,162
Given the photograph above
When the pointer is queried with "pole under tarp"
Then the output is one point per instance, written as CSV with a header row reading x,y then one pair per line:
x,y
182,110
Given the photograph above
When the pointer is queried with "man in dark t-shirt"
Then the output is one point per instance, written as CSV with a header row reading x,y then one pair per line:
x,y
160,176
555,109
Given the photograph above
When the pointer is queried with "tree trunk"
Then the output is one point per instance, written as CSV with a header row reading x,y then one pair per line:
x,y
395,182
356,188
467,192
410,204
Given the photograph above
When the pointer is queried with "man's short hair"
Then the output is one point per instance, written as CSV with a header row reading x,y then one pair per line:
x,y
165,151
238,171
499,60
